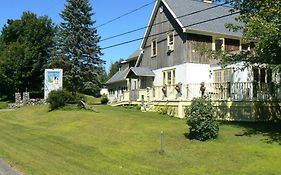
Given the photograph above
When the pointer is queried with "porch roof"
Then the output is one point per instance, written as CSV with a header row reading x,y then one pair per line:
x,y
118,76
141,72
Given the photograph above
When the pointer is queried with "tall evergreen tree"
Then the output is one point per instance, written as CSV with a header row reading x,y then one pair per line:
x,y
78,50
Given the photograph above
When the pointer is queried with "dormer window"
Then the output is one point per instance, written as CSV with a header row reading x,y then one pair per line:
x,y
153,48
170,41
218,44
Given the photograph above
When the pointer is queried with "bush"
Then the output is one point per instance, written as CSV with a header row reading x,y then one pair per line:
x,y
59,98
201,121
138,107
104,99
163,110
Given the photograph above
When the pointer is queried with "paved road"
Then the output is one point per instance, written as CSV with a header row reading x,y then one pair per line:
x,y
6,169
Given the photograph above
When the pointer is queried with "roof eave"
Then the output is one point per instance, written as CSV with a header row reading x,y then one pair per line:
x,y
153,15
173,14
188,30
107,83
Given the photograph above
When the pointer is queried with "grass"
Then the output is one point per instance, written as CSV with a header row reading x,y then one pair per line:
x,y
3,105
90,100
125,141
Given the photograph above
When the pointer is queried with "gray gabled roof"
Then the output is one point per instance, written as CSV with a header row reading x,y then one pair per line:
x,y
135,55
179,8
142,72
182,7
118,76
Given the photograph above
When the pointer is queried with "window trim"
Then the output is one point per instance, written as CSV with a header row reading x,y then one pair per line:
x,y
170,47
152,46
214,43
223,76
165,77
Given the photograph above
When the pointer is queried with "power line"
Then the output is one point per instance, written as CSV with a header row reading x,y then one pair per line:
x,y
201,22
141,28
125,14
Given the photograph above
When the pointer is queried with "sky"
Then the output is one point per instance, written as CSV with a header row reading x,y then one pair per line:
x,y
104,10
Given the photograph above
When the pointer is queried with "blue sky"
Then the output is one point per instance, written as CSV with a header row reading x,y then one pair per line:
x,y
104,10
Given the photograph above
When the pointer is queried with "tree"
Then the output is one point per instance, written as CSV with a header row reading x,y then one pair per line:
x,y
24,47
114,68
77,49
262,25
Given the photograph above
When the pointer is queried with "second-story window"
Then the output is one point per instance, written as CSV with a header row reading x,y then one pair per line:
x,y
170,41
153,48
218,44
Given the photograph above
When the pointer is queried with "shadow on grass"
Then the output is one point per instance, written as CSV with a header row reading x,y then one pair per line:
x,y
270,130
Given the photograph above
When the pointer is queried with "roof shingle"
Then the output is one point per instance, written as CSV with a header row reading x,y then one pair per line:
x,y
182,7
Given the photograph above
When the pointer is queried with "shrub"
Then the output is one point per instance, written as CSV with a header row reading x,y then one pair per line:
x,y
138,107
104,99
59,98
201,121
163,110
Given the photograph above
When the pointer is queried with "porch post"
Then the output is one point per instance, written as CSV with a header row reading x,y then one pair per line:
x,y
129,85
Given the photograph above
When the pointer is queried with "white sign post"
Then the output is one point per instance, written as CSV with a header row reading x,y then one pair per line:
x,y
53,81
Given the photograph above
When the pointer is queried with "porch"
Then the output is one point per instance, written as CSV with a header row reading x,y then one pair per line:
x,y
247,101
238,91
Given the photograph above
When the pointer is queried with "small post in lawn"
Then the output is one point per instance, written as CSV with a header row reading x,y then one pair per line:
x,y
162,143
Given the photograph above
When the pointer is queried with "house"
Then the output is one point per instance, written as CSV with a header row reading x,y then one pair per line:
x,y
171,67
118,84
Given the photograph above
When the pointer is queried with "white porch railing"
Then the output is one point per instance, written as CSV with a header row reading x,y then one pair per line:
x,y
242,91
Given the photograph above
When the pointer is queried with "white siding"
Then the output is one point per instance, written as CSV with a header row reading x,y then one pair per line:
x,y
187,73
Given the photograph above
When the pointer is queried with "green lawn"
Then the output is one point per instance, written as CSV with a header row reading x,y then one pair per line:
x,y
3,105
124,141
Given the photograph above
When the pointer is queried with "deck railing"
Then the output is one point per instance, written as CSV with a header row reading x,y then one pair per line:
x,y
241,91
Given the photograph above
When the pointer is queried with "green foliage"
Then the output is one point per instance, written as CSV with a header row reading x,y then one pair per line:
x,y
104,100
163,110
138,107
77,50
114,68
166,110
200,119
261,19
59,98
24,47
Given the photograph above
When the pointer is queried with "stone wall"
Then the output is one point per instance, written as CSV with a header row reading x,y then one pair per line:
x,y
25,100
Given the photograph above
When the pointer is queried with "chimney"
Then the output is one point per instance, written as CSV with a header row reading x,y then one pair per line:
x,y
208,1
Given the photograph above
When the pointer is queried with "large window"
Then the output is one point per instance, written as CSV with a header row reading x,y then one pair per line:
x,y
153,48
169,77
170,41
223,76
